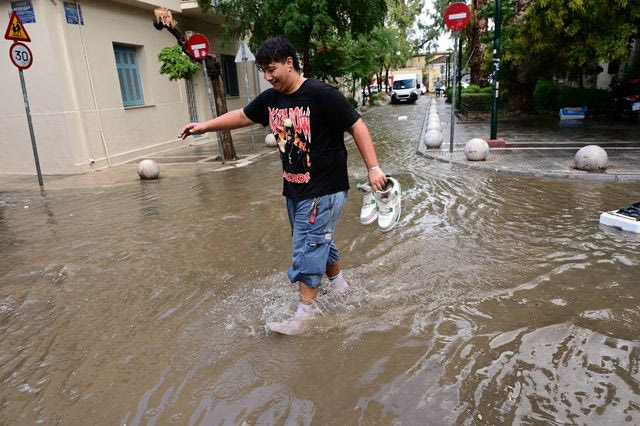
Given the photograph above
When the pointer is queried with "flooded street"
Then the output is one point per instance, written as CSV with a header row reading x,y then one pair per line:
x,y
496,300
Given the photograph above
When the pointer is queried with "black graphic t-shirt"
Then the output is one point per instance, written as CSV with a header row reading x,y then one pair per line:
x,y
309,127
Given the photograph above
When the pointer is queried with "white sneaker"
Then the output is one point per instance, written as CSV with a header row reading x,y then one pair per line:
x,y
295,325
388,202
369,211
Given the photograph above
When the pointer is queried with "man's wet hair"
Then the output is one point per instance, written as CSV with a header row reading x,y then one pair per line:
x,y
276,49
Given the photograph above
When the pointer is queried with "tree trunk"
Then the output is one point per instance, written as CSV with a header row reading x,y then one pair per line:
x,y
214,70
478,31
520,94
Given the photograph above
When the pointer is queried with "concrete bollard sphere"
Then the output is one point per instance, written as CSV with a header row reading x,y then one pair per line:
x,y
591,157
270,140
433,117
434,125
433,120
476,149
148,169
433,139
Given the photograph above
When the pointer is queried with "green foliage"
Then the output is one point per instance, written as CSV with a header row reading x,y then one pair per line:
x,y
479,102
314,27
545,95
486,89
176,63
447,94
560,36
472,88
549,96
353,103
375,97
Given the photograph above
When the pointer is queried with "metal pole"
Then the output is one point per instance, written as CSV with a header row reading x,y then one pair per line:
x,y
453,92
496,72
213,107
459,73
33,137
246,82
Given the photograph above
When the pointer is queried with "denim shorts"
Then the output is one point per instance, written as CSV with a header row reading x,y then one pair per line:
x,y
313,247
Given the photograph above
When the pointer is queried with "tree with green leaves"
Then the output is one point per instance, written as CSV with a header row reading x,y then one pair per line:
x,y
547,38
312,26
176,64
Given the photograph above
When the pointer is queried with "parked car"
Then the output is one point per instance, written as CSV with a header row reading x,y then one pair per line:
x,y
624,100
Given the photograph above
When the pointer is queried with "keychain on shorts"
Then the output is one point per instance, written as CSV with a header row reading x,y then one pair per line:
x,y
313,210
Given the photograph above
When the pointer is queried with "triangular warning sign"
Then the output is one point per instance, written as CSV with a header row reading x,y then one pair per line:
x,y
15,29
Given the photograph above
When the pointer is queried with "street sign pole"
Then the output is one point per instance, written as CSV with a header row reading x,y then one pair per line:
x,y
456,17
496,72
244,55
31,133
453,91
213,106
246,83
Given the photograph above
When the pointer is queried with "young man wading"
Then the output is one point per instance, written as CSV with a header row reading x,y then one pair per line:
x,y
308,119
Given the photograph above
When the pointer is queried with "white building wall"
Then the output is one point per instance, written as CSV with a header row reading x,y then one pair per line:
x,y
65,86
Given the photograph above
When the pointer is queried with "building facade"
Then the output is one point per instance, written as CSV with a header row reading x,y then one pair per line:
x,y
96,95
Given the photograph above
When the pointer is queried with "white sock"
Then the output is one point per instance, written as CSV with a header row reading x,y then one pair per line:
x,y
303,309
338,282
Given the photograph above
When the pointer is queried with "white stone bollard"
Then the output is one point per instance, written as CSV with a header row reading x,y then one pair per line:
x,y
148,169
476,149
434,125
433,139
433,120
591,157
270,140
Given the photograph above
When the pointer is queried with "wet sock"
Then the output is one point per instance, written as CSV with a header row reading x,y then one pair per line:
x,y
303,310
338,284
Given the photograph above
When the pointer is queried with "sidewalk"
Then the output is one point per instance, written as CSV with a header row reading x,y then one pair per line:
x,y
183,160
545,153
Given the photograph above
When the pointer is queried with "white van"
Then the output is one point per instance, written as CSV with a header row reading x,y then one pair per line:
x,y
406,88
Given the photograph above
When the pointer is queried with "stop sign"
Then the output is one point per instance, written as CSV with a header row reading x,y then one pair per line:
x,y
457,16
198,46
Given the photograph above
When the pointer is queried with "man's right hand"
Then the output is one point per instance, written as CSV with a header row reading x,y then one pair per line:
x,y
192,129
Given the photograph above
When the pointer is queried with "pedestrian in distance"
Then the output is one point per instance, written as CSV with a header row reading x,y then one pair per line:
x,y
438,87
308,119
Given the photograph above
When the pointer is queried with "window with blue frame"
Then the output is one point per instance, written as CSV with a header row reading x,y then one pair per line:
x,y
128,75
229,75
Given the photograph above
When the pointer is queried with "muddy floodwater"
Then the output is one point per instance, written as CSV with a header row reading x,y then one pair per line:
x,y
496,300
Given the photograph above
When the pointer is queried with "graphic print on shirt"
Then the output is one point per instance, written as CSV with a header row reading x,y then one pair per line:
x,y
292,129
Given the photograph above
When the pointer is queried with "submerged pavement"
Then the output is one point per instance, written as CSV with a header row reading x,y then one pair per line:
x,y
544,151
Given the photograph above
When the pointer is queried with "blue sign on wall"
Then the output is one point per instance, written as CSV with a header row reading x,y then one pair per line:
x,y
73,12
24,10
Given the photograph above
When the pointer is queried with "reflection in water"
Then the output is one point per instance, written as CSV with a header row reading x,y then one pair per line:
x,y
496,298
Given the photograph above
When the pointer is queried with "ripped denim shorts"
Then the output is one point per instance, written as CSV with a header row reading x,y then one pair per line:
x,y
313,223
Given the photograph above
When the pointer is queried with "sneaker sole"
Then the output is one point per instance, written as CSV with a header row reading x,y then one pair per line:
x,y
370,221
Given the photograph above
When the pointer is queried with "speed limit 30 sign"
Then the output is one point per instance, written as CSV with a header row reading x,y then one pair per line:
x,y
20,55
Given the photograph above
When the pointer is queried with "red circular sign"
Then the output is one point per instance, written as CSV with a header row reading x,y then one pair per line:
x,y
457,16
21,55
198,46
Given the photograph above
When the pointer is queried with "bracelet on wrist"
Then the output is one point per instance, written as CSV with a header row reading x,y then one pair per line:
x,y
373,168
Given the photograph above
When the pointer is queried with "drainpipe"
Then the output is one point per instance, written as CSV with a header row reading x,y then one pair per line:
x,y
93,91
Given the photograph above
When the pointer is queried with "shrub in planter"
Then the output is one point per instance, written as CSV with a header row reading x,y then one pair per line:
x,y
480,102
487,89
593,99
472,88
545,96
